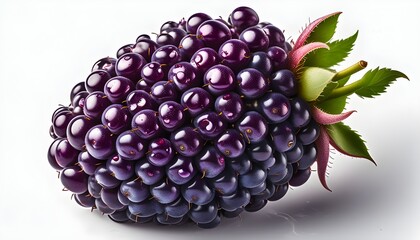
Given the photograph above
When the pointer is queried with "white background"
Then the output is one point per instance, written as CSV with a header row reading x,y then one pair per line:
x,y
48,46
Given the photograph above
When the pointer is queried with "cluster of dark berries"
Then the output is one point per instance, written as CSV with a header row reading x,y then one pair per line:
x,y
202,122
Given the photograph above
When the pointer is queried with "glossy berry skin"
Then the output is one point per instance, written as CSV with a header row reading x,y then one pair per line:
x,y
279,193
294,154
275,36
278,57
65,154
144,211
262,62
102,207
167,26
100,142
236,200
308,157
181,170
275,106
143,85
116,118
149,174
188,45
241,164
79,100
164,91
235,54
300,115
57,111
160,152
219,79
135,190
253,178
128,48
253,126
184,75
203,214
77,129
138,100
196,100
94,188
230,106
171,115
51,132
107,64
177,34
80,87
300,177
243,17
121,169
129,65
195,20
146,48
142,36
88,163
95,104
187,142
283,137
85,200
96,80
252,83
284,82
146,124
227,183
210,125
204,58
213,33
51,154
61,121
210,162
165,39
74,179
255,38
167,55
309,133
165,192
152,72
117,89
231,143
198,192
130,146
177,208
110,198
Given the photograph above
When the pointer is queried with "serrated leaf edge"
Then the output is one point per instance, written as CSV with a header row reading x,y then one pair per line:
x,y
310,28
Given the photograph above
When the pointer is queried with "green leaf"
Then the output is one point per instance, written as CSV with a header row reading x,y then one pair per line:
x,y
347,141
338,51
324,31
333,106
375,82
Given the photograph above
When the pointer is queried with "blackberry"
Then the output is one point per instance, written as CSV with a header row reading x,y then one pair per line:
x,y
211,119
